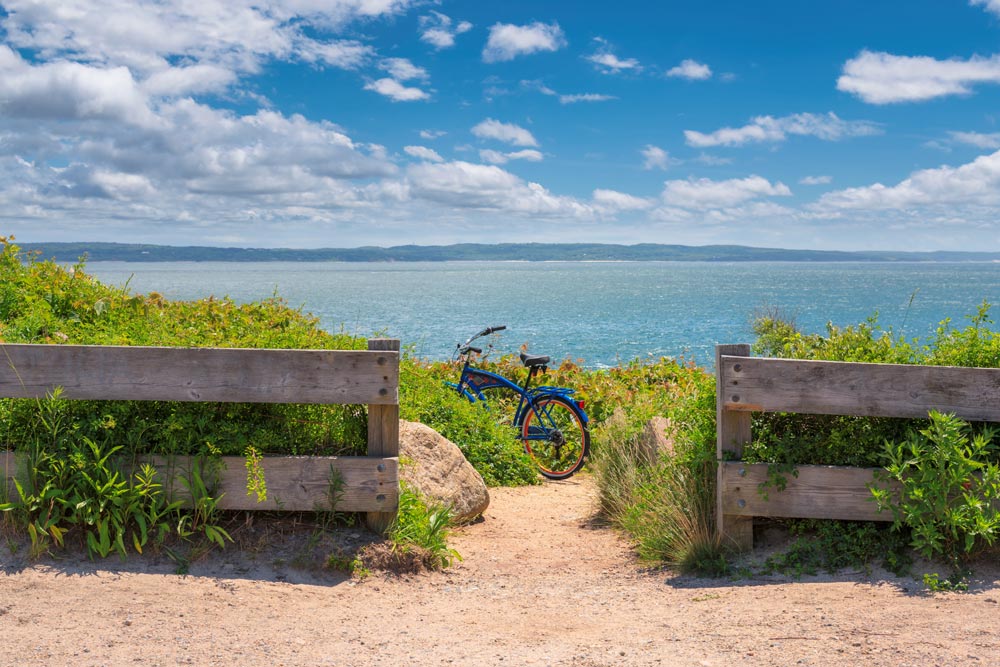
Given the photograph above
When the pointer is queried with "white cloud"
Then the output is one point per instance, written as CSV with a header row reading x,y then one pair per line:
x,y
396,91
99,135
505,132
827,127
609,63
566,99
692,70
712,160
201,149
613,201
497,157
704,193
402,69
188,80
988,141
432,134
437,31
475,186
990,5
423,153
144,35
883,78
815,180
122,186
508,41
211,148
343,54
72,91
655,157
585,97
976,183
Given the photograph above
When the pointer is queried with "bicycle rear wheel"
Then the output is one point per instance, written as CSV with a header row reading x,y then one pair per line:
x,y
555,436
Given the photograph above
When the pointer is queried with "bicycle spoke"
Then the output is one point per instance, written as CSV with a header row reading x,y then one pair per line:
x,y
555,437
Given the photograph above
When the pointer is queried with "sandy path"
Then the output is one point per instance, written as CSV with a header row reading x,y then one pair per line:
x,y
540,585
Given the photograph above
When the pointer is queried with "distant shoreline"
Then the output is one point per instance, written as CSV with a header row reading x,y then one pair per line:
x,y
508,252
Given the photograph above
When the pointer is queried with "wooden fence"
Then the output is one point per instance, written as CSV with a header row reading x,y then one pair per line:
x,y
746,384
362,483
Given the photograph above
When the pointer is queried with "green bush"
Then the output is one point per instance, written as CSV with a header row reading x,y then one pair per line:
x,y
43,302
950,489
937,514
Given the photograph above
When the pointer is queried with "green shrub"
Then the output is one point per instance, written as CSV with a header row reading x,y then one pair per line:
x,y
937,514
43,302
832,545
950,489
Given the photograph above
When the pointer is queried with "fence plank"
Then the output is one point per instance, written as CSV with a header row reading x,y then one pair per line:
x,y
383,433
200,374
733,432
294,483
868,390
818,492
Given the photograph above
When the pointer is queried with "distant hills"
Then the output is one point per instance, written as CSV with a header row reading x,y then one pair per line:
x,y
529,252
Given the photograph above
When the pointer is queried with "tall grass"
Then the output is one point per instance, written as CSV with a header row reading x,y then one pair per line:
x,y
666,505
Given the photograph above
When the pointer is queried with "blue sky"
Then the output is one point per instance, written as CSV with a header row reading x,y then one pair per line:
x,y
319,123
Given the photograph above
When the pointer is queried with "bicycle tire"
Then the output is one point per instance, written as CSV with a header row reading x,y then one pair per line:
x,y
555,436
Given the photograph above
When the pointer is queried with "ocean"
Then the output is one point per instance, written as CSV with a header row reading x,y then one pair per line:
x,y
602,313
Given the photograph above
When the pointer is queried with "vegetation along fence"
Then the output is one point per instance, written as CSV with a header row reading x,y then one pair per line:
x,y
304,483
746,384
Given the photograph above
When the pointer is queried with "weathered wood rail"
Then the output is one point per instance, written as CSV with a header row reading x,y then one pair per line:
x,y
746,384
363,483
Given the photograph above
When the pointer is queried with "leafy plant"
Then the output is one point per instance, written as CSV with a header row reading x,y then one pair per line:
x,y
958,582
422,526
950,486
832,545
75,482
256,483
352,564
202,518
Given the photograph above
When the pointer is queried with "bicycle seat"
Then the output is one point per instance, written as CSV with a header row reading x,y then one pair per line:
x,y
533,360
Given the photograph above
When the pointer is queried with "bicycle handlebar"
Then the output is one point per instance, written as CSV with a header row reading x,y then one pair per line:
x,y
465,347
486,332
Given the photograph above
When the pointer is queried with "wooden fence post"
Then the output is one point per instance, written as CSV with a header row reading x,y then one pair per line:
x,y
732,433
383,433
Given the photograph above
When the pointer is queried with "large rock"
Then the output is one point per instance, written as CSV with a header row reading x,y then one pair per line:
x,y
436,467
656,439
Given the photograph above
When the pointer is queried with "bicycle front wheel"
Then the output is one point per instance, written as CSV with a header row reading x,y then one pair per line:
x,y
555,436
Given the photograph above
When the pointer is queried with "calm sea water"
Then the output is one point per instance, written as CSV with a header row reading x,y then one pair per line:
x,y
602,313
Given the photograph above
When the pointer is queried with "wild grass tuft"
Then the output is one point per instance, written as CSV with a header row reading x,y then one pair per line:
x,y
423,525
666,505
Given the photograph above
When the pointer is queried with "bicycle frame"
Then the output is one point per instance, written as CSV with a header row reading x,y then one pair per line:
x,y
474,381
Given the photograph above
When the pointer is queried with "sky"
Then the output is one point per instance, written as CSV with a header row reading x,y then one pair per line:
x,y
850,125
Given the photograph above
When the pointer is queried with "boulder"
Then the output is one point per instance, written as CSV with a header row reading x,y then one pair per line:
x,y
656,439
435,467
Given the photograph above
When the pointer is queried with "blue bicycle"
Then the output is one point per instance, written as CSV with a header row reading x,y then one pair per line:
x,y
550,422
